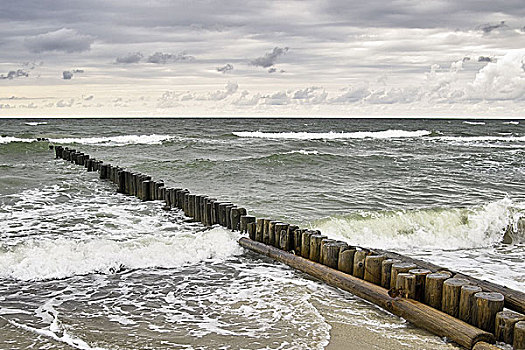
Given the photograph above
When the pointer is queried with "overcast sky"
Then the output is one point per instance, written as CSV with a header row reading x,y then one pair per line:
x,y
253,58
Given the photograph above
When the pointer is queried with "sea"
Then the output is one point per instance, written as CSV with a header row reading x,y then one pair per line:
x,y
84,267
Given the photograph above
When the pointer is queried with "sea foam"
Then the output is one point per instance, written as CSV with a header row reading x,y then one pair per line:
x,y
41,258
387,134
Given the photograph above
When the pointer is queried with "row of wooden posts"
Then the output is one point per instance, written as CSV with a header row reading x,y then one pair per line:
x,y
457,297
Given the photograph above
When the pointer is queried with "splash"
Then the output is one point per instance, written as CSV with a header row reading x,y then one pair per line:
x,y
41,259
442,228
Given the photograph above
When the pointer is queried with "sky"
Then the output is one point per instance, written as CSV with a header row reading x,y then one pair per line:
x,y
402,58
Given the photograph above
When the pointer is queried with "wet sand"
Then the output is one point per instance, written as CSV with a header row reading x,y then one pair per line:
x,y
348,337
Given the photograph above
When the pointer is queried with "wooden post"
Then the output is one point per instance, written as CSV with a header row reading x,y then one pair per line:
x,y
245,220
252,229
406,285
481,345
467,304
359,263
279,228
519,336
259,230
305,244
434,289
298,241
345,262
451,295
420,275
197,206
373,264
146,190
121,182
229,209
289,242
315,247
222,213
323,242
331,254
235,219
386,272
488,304
417,313
399,268
505,322
271,232
266,231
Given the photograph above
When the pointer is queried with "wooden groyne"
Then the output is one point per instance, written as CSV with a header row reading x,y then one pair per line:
x,y
471,312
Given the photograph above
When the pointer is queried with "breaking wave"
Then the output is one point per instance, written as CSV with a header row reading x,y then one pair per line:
x,y
387,134
440,228
41,258
102,141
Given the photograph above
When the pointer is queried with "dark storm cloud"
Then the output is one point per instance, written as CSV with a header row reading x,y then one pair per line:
x,y
487,28
62,40
132,57
14,74
484,59
226,68
269,58
67,75
163,58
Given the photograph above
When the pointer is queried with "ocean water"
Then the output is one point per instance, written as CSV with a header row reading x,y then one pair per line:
x,y
82,267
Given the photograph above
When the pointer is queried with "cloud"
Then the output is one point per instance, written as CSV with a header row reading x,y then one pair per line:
x,y
484,59
12,74
78,71
218,95
132,57
62,40
269,58
67,75
88,98
65,103
163,58
225,69
487,28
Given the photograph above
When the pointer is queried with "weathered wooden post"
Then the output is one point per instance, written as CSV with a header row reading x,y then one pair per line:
x,y
488,304
104,171
288,244
406,284
373,264
209,209
271,232
146,187
359,263
252,229
345,262
451,295
298,241
121,182
505,322
434,288
331,254
397,268
278,228
386,272
235,218
519,336
229,209
420,275
197,205
315,247
245,220
467,304
259,230
305,244
266,231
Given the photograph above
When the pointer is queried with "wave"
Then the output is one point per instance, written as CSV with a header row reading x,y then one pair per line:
x,y
35,123
441,228
511,123
117,140
102,141
483,138
473,123
387,134
47,258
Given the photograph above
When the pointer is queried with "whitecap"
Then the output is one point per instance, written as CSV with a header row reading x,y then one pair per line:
x,y
386,134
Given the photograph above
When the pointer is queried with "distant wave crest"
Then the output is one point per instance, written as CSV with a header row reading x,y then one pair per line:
x,y
387,134
103,141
